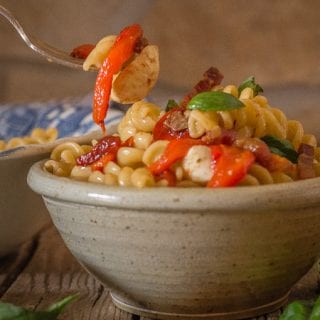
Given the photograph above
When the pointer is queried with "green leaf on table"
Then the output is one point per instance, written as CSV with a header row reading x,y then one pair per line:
x,y
9,311
315,312
214,101
297,310
171,104
281,147
250,83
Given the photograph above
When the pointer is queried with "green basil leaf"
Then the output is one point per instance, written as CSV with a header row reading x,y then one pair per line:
x,y
250,83
214,101
297,310
315,313
171,104
11,312
58,307
281,147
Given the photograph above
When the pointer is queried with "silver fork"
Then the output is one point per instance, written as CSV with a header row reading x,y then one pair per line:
x,y
50,53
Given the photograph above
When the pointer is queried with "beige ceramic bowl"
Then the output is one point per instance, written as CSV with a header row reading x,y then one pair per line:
x,y
22,212
189,253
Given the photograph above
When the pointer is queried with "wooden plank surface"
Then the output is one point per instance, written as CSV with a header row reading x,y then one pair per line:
x,y
53,273
11,266
44,271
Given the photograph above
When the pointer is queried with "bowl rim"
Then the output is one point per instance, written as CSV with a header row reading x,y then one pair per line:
x,y
285,196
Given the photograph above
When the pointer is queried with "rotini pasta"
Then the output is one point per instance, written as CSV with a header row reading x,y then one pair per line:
x,y
258,175
251,144
37,136
141,117
99,53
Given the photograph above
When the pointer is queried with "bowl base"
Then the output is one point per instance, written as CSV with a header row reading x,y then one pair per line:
x,y
246,313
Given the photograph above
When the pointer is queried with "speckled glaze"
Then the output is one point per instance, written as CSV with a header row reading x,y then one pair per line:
x,y
22,212
189,253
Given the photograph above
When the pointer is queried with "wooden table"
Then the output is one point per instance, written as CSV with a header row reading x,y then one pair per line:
x,y
43,271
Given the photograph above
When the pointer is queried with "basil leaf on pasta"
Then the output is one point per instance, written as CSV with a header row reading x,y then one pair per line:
x,y
250,83
214,101
281,147
171,104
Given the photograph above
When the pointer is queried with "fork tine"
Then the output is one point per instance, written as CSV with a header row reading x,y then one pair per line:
x,y
53,54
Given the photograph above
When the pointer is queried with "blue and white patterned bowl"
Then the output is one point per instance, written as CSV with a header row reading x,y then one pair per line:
x,y
72,117
22,212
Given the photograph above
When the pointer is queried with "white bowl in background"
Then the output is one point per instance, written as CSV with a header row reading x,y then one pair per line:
x,y
22,213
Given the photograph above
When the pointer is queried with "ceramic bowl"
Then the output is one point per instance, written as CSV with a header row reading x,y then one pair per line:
x,y
22,213
171,253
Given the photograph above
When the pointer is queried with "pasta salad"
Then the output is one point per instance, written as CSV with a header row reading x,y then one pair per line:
x,y
216,136
226,136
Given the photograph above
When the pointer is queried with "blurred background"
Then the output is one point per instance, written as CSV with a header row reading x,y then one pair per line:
x,y
276,41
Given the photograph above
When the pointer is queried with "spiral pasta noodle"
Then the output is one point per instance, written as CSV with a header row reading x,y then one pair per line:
x,y
37,136
258,175
132,163
141,117
99,53
257,118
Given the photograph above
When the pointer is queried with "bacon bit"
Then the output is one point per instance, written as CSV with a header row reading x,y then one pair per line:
x,y
305,162
108,144
211,78
227,137
163,132
82,51
176,121
306,149
278,163
259,148
140,45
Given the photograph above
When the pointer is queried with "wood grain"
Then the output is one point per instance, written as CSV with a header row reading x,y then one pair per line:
x,y
53,273
11,266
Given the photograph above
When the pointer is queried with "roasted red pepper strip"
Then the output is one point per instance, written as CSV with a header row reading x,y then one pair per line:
x,y
162,132
129,142
121,52
107,145
82,51
99,164
175,151
169,176
230,167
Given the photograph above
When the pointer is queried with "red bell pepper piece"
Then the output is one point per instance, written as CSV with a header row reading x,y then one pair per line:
x,y
175,151
128,143
230,167
103,152
99,164
169,176
121,52
82,51
162,132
